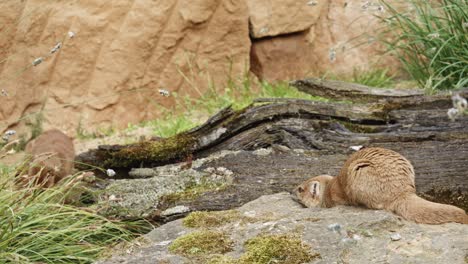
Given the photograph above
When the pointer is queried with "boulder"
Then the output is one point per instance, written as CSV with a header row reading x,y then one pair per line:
x,y
330,235
278,17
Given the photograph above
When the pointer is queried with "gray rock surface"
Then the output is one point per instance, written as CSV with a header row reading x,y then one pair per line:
x,y
339,235
141,195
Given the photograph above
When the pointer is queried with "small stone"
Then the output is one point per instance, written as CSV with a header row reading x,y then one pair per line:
x,y
110,172
334,227
56,48
395,237
459,102
10,132
163,243
71,34
356,237
453,114
263,152
312,3
299,151
250,214
332,54
356,148
37,61
176,210
164,93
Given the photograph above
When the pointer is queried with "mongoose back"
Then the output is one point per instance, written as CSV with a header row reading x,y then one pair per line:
x,y
51,158
377,178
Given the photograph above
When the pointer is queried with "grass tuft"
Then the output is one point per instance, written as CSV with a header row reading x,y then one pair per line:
x,y
236,93
373,78
37,227
430,38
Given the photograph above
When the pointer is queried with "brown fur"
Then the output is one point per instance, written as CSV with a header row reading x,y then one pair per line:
x,y
377,178
51,158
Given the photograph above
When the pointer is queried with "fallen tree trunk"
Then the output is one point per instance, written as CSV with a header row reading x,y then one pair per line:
x,y
306,138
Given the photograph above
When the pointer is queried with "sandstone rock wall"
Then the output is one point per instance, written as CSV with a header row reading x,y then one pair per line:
x,y
315,37
123,52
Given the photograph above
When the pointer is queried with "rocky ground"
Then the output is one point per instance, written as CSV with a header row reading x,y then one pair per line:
x,y
336,235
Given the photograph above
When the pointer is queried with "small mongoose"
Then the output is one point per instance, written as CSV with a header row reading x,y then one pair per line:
x,y
377,178
51,157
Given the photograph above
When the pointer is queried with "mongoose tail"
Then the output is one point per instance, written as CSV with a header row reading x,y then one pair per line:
x,y
414,208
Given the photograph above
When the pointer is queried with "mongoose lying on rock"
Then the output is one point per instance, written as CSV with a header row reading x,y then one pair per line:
x,y
51,158
377,178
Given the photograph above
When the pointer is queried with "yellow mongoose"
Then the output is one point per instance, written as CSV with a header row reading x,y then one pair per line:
x,y
377,178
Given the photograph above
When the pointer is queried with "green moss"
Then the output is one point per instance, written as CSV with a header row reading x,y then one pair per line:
x,y
285,249
221,259
201,243
163,150
193,191
211,219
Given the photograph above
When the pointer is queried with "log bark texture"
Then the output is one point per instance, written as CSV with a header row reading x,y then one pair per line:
x,y
308,138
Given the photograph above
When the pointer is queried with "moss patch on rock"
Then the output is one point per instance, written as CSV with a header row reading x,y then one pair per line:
x,y
193,191
211,219
221,259
162,151
282,249
203,242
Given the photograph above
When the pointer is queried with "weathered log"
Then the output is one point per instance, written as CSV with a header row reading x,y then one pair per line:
x,y
305,138
394,98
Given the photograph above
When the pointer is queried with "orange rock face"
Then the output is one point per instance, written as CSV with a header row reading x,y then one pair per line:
x,y
342,38
277,17
122,53
108,72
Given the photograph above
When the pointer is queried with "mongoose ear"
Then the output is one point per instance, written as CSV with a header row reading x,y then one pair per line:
x,y
314,189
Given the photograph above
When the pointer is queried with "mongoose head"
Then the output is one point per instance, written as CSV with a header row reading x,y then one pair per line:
x,y
310,192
